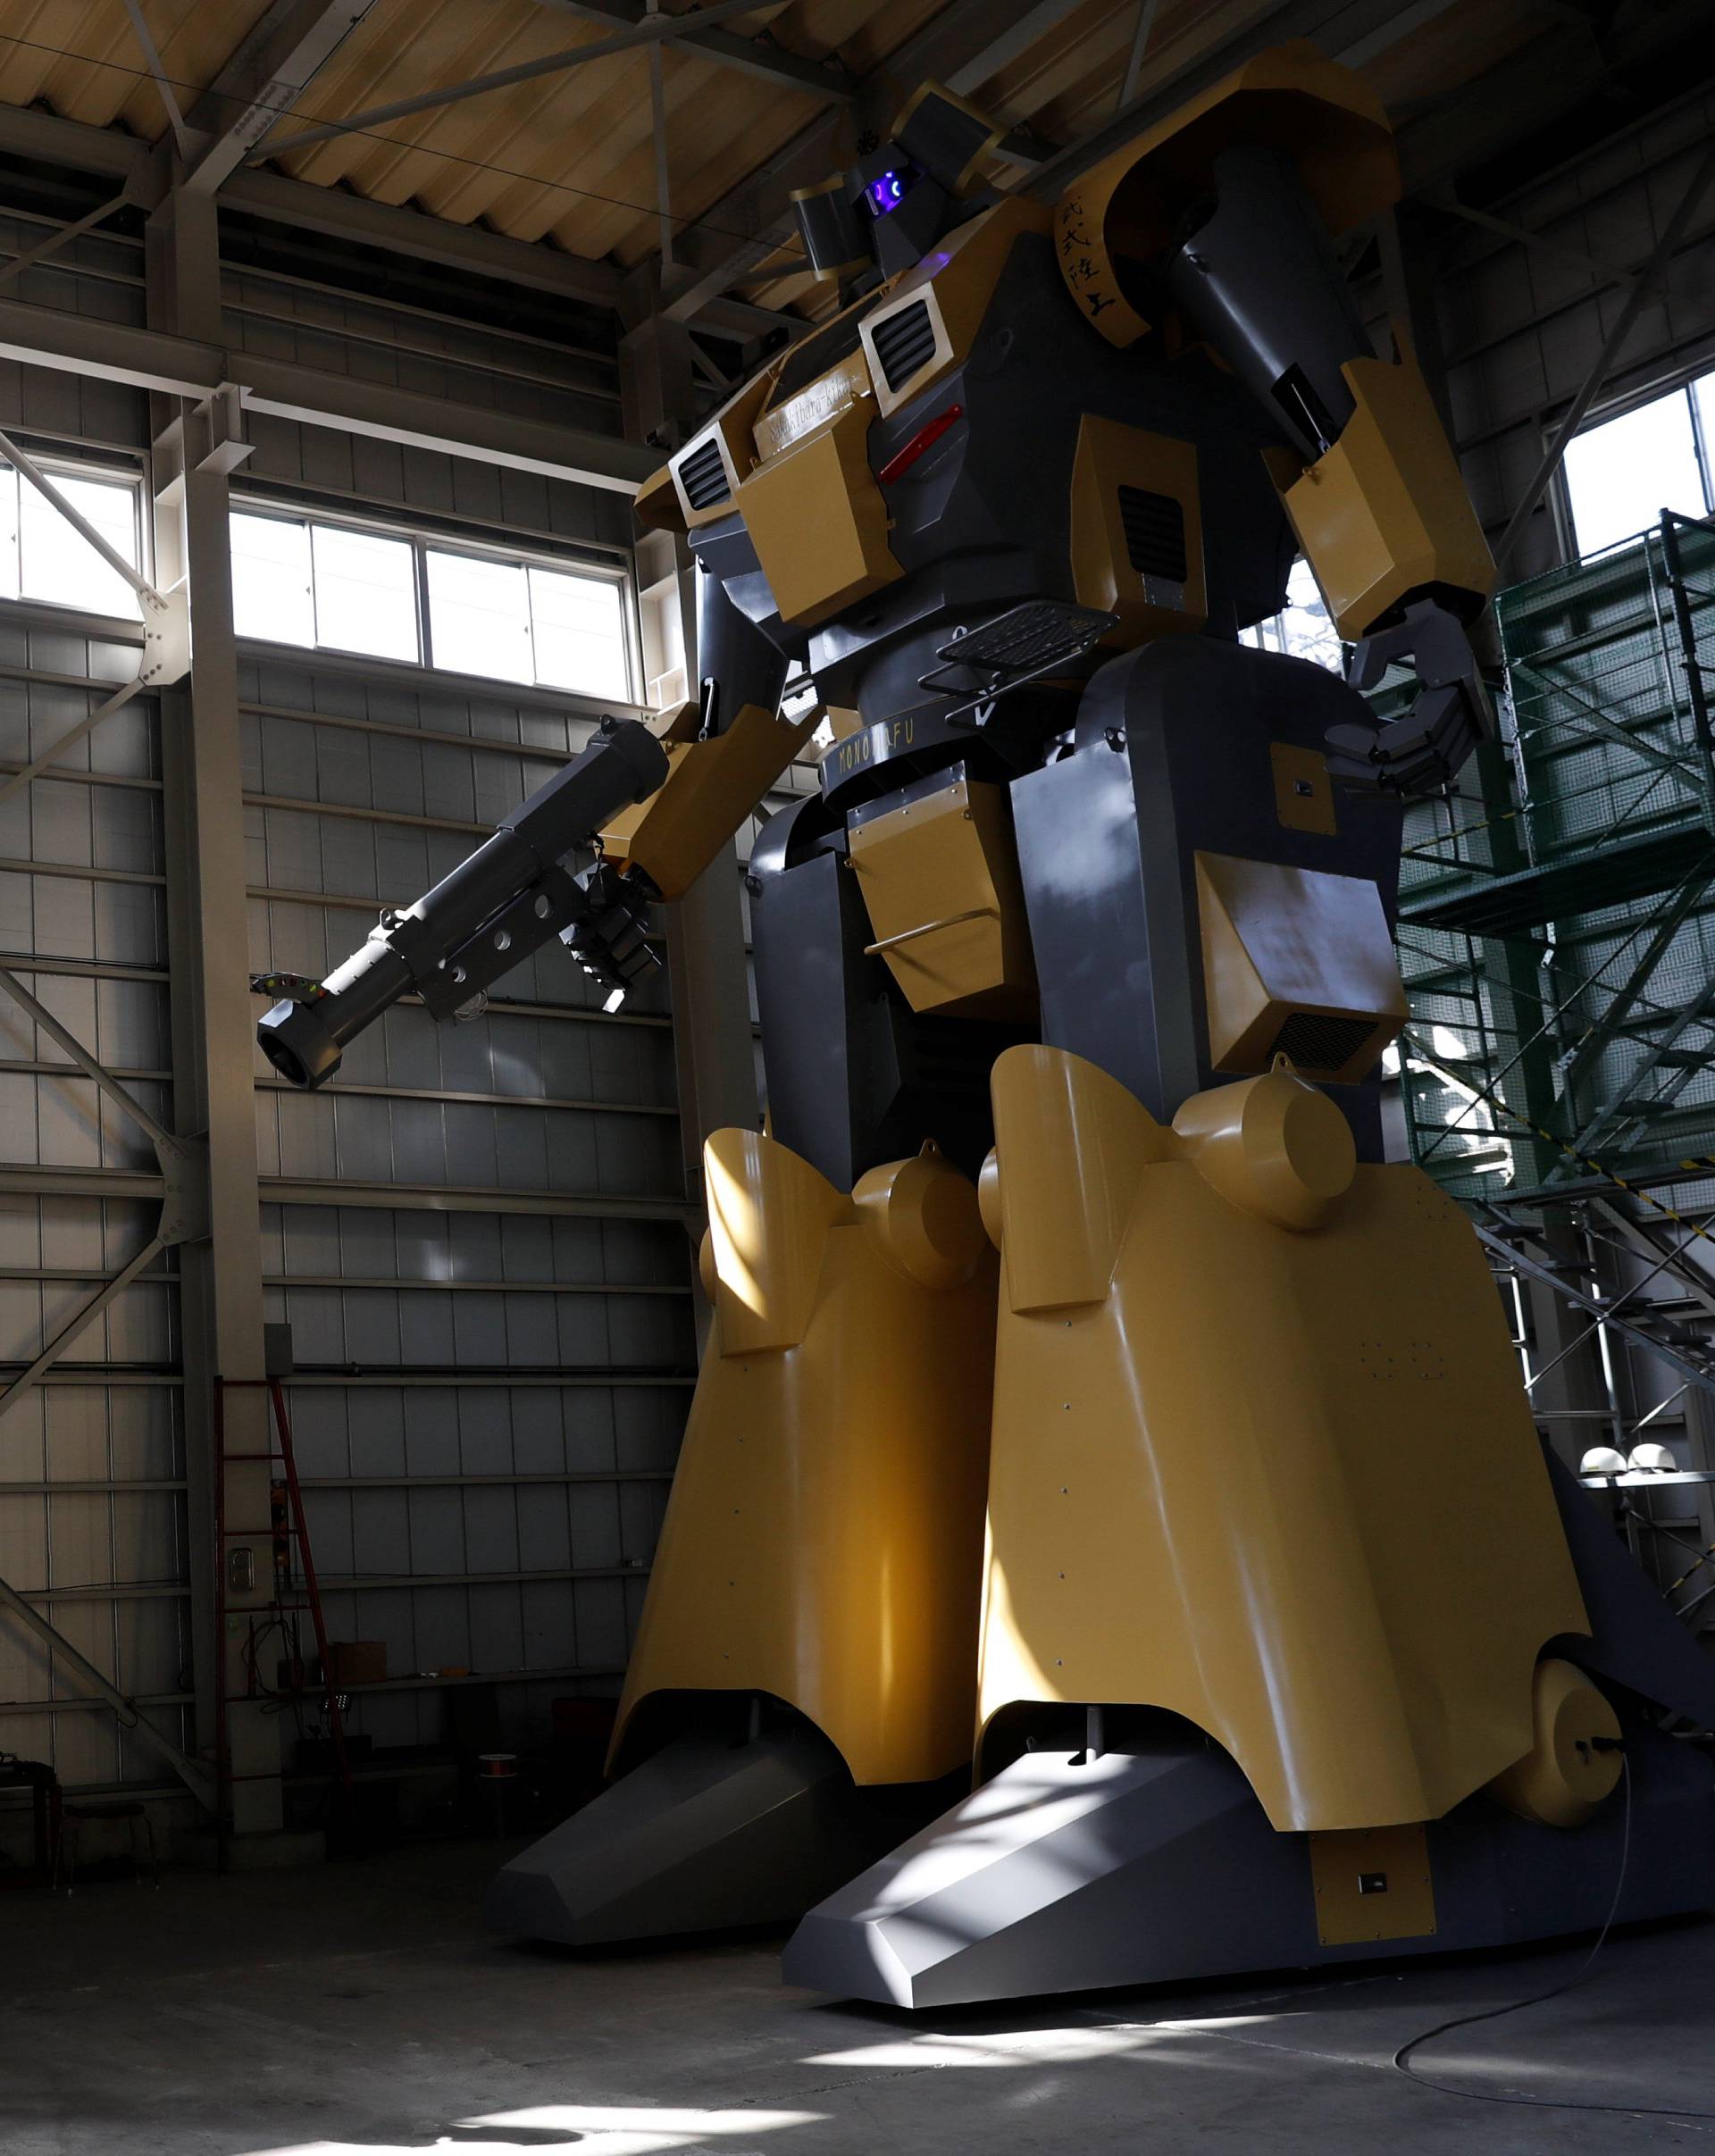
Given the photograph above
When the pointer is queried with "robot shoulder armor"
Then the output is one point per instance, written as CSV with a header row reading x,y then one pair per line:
x,y
1114,219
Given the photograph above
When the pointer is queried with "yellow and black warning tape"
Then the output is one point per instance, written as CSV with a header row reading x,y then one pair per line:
x,y
1595,1167
1696,1565
1464,831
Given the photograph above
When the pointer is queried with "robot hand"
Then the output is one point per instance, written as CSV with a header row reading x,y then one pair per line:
x,y
611,941
1417,754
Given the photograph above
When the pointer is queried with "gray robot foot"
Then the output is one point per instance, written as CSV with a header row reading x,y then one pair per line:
x,y
705,1835
1152,1866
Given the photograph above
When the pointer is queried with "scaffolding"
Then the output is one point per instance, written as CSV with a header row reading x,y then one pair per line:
x,y
1557,939
1557,918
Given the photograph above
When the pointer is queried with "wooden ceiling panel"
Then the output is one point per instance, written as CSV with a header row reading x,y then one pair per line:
x,y
568,156
82,57
1073,85
1443,56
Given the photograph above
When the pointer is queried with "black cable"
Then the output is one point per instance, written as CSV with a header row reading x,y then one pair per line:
x,y
1402,2057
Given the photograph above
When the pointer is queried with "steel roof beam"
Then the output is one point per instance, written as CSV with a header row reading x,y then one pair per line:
x,y
754,56
181,366
47,139
107,153
647,30
1532,89
958,45
269,68
162,79
1007,44
1352,31
537,265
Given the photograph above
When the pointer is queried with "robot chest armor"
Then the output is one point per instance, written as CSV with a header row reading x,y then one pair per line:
x,y
962,407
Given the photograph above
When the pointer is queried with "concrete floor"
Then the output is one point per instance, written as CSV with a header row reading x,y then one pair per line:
x,y
359,2008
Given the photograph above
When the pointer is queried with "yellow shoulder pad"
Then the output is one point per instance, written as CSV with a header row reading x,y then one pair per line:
x,y
656,505
1122,211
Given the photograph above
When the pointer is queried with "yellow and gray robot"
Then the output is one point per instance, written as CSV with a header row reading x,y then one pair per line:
x,y
1084,1397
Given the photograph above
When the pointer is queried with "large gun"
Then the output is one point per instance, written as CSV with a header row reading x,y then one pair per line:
x,y
489,913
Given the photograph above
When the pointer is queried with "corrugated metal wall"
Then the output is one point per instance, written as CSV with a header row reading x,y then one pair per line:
x,y
477,1237
476,1233
1520,326
92,1467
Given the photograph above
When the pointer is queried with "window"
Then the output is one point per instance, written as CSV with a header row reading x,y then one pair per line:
x,y
366,589
579,626
481,615
1302,629
42,557
339,586
1620,476
273,590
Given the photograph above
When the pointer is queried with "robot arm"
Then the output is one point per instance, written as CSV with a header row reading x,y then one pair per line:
x,y
724,751
494,910
1376,499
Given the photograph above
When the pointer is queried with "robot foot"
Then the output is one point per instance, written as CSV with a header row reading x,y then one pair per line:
x,y
1158,1864
705,1835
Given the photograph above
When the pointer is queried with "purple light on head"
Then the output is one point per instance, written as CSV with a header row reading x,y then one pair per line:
x,y
886,194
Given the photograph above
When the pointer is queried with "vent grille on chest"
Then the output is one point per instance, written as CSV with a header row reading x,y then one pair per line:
x,y
1315,1041
705,476
903,343
1155,533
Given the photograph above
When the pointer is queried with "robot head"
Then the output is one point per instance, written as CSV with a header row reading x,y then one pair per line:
x,y
892,206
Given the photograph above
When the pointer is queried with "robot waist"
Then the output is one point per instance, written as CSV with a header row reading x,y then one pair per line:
x,y
891,753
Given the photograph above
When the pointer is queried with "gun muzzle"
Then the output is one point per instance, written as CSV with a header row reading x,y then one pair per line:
x,y
493,910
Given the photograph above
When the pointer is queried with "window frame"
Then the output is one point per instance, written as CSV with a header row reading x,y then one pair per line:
x,y
1683,383
424,536
56,464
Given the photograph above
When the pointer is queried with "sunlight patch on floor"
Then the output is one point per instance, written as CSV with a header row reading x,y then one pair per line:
x,y
1024,2047
601,2129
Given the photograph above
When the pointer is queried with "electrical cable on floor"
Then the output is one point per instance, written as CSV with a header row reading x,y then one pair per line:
x,y
1402,2057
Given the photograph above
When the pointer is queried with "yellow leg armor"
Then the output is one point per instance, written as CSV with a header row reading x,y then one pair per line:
x,y
824,1539
1261,1456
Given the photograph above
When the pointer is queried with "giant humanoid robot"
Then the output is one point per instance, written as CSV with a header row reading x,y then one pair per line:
x,y
1084,1393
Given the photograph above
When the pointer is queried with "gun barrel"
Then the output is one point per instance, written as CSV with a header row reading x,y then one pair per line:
x,y
304,1039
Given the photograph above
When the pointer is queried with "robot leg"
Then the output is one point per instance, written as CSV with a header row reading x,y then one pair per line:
x,y
804,1677
1286,1660
1283,1612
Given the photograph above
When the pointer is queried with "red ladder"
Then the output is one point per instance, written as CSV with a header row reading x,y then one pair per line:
x,y
294,1532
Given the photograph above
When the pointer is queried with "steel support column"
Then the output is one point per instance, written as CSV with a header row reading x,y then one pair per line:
x,y
220,1278
713,1053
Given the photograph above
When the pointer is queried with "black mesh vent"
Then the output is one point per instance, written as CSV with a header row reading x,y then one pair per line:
x,y
705,476
904,342
1155,533
813,356
1317,1043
